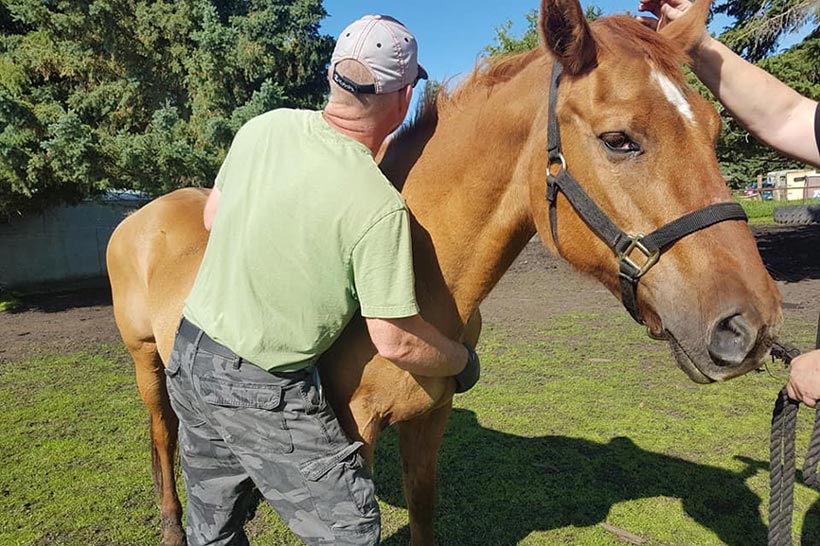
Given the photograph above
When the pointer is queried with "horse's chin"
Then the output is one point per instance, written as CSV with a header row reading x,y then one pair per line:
x,y
685,362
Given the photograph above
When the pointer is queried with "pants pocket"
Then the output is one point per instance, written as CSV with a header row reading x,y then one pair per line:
x,y
177,384
342,488
250,413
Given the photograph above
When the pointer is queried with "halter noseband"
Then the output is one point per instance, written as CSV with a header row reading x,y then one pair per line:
x,y
621,243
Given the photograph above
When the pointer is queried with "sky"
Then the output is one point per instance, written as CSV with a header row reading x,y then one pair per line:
x,y
452,34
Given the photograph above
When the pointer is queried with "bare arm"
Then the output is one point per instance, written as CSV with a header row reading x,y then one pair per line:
x,y
769,109
416,346
210,208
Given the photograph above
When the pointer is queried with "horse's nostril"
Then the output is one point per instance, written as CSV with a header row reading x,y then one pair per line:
x,y
731,341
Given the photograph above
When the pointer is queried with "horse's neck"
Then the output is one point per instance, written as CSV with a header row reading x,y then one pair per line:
x,y
469,194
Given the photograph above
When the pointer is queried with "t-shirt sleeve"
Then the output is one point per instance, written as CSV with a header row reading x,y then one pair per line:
x,y
382,263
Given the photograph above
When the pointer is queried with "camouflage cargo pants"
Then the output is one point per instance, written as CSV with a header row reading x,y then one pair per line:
x,y
241,426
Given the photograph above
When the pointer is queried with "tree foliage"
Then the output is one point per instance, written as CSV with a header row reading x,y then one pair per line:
x,y
143,94
506,43
760,24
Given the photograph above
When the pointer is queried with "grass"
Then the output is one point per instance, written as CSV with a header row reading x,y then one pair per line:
x,y
760,212
592,425
9,302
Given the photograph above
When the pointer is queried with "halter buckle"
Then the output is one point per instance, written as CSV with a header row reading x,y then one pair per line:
x,y
651,256
555,159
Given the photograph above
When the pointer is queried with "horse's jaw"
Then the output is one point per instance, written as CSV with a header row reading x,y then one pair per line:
x,y
701,368
685,362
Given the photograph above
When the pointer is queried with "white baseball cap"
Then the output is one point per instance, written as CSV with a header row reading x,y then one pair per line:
x,y
385,47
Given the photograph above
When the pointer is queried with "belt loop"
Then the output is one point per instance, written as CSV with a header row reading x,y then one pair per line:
x,y
193,348
237,363
317,380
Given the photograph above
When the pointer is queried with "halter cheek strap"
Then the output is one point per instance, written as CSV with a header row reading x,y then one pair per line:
x,y
623,244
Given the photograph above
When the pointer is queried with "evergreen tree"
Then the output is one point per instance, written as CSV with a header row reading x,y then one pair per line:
x,y
759,24
143,94
505,43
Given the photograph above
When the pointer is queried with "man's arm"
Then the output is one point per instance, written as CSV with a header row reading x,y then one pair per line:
x,y
769,109
211,205
417,346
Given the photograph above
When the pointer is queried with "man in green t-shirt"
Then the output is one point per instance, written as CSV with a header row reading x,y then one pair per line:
x,y
305,232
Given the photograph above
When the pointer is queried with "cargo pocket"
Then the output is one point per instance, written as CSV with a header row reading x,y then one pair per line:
x,y
178,393
343,490
250,413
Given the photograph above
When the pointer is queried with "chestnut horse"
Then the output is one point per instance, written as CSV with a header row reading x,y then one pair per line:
x,y
472,170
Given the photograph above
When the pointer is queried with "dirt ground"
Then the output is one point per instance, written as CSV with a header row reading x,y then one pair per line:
x,y
536,287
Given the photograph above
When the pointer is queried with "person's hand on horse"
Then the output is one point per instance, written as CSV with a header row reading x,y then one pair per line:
x,y
804,378
468,377
666,11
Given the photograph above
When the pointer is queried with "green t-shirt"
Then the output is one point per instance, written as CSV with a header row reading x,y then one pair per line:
x,y
307,231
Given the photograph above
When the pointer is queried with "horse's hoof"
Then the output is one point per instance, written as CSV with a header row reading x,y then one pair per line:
x,y
173,534
175,541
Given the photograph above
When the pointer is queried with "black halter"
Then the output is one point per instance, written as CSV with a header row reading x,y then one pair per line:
x,y
624,245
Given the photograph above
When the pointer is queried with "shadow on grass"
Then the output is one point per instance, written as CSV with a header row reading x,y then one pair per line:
x,y
789,252
497,488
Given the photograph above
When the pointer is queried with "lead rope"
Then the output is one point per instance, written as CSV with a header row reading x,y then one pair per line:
x,y
782,458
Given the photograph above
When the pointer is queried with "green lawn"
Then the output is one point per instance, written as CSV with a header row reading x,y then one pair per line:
x,y
760,212
592,425
8,301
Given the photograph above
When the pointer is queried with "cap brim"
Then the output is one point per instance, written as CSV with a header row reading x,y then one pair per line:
x,y
422,75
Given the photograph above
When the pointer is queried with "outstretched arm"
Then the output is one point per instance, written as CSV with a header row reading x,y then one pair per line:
x,y
769,109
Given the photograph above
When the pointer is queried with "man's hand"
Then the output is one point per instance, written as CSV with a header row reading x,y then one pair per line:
x,y
804,378
468,377
665,11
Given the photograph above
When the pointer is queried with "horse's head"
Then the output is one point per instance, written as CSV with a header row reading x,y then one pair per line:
x,y
640,143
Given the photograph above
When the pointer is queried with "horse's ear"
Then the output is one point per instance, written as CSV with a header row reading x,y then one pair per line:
x,y
565,32
687,30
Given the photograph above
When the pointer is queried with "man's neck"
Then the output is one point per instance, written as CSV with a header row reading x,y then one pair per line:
x,y
356,126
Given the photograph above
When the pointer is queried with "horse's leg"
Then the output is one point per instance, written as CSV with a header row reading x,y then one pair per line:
x,y
151,384
419,442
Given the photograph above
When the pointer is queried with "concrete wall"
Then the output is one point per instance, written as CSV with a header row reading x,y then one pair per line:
x,y
61,246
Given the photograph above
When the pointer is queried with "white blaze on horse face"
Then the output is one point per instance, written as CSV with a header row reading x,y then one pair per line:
x,y
674,95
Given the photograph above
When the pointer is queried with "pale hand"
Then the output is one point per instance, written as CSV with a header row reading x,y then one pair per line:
x,y
664,11
804,378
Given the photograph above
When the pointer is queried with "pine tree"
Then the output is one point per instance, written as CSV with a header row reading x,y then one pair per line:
x,y
143,94
759,24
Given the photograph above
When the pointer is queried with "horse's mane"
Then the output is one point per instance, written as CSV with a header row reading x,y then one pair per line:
x,y
615,33
436,98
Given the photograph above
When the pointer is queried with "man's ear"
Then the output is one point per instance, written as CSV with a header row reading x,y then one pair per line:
x,y
405,96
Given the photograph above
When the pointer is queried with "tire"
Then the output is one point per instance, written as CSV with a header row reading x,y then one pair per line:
x,y
797,214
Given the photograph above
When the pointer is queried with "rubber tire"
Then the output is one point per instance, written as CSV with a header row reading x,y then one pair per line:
x,y
797,215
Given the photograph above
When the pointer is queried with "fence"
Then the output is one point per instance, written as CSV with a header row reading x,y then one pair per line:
x,y
61,246
810,193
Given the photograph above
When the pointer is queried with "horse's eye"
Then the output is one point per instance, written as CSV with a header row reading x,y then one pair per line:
x,y
620,143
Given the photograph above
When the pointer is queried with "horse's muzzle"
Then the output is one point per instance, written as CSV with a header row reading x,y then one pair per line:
x,y
732,341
